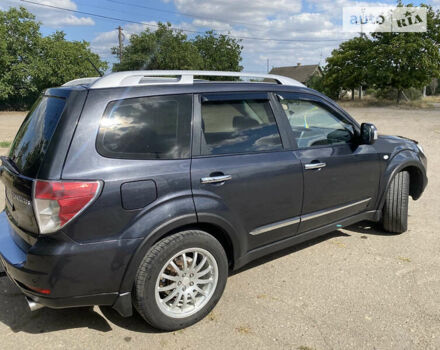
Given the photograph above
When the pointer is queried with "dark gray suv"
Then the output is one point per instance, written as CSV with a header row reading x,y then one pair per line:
x,y
146,188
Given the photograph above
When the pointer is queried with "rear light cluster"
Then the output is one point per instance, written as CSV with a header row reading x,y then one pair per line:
x,y
58,202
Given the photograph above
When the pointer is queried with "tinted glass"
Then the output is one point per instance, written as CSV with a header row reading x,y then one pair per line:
x,y
147,128
313,125
239,126
33,137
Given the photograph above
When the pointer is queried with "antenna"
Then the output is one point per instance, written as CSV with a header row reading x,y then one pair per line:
x,y
93,65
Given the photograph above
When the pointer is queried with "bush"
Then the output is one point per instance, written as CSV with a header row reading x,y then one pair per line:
x,y
371,92
413,93
391,94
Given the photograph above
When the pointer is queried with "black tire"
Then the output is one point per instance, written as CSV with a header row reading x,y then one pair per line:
x,y
395,210
152,264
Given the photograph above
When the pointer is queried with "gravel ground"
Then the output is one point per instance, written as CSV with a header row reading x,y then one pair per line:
x,y
355,288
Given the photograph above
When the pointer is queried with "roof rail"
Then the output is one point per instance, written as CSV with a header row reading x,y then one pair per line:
x,y
152,77
81,81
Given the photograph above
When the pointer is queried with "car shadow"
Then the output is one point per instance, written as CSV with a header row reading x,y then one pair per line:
x,y
287,251
369,228
15,313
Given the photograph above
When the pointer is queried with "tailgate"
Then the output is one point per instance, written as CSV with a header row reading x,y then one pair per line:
x,y
18,199
21,167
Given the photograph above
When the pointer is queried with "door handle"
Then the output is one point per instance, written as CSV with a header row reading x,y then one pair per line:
x,y
215,179
312,166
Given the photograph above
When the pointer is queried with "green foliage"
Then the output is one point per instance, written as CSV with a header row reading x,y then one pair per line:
x,y
219,52
30,62
169,49
403,61
317,83
5,144
19,35
347,67
388,62
390,93
65,60
432,88
160,49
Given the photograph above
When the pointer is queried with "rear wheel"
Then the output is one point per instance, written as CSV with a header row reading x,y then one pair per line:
x,y
395,210
180,280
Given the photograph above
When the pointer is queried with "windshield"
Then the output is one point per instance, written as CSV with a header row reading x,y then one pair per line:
x,y
33,137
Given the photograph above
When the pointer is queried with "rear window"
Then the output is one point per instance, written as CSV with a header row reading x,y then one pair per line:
x,y
33,137
147,128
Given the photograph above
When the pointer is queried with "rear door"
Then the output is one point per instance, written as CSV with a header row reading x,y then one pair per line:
x,y
341,176
242,170
25,158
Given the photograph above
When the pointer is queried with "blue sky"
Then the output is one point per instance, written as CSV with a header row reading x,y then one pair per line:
x,y
313,27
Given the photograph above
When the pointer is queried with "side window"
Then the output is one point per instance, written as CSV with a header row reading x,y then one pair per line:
x,y
239,126
313,125
147,128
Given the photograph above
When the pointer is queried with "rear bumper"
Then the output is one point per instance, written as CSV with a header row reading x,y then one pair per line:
x,y
75,274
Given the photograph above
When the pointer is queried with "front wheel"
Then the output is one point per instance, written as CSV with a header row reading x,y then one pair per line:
x,y
180,280
395,210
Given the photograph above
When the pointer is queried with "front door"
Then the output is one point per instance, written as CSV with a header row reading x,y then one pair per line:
x,y
241,172
341,177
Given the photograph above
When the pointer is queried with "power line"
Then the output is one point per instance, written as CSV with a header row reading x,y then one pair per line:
x,y
185,14
175,28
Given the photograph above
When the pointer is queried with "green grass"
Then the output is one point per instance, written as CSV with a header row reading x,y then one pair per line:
x,y
5,144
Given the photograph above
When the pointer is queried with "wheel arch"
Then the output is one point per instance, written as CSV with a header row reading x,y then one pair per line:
x,y
221,232
405,161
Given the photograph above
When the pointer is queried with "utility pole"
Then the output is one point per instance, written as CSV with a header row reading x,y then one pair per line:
x,y
267,65
121,37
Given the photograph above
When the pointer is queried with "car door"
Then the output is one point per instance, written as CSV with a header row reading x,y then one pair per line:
x,y
341,176
242,173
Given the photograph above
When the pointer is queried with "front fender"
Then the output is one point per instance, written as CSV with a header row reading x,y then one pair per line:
x,y
400,161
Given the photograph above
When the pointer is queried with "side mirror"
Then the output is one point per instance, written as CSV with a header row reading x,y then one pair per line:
x,y
368,133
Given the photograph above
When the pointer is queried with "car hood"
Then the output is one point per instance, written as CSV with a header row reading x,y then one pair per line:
x,y
393,144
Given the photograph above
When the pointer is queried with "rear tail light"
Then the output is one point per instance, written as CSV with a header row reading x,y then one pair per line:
x,y
58,202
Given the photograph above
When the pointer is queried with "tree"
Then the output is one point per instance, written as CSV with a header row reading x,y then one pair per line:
x,y
30,62
219,52
404,60
19,35
167,48
387,61
347,67
407,60
164,48
65,60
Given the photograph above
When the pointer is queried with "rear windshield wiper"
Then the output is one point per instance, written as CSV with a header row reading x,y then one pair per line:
x,y
10,164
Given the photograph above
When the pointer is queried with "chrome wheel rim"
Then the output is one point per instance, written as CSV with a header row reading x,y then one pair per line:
x,y
186,282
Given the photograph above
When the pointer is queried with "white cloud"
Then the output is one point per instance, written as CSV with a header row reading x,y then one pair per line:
x,y
51,17
243,11
274,19
334,7
317,27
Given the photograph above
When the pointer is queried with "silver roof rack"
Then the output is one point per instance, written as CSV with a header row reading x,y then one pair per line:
x,y
153,77
81,81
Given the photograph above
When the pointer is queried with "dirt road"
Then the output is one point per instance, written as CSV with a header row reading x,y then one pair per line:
x,y
355,288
